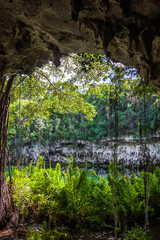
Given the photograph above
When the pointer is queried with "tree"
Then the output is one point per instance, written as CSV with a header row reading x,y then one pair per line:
x,y
59,90
7,211
65,95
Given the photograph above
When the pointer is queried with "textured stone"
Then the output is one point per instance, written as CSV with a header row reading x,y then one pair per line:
x,y
34,32
129,152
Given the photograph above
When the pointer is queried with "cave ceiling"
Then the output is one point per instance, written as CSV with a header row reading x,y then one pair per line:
x,y
33,32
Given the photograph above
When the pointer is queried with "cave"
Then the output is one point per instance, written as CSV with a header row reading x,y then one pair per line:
x,y
35,32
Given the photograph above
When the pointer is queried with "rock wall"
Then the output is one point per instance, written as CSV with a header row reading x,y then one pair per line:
x,y
128,153
34,32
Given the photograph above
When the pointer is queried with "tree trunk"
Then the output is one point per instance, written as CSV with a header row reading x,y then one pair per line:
x,y
15,144
39,141
155,125
116,132
19,130
140,130
8,215
146,164
146,192
114,195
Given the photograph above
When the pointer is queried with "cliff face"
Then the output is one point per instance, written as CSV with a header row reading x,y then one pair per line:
x,y
33,32
128,153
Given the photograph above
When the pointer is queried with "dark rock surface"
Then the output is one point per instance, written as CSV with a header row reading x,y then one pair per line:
x,y
128,152
33,32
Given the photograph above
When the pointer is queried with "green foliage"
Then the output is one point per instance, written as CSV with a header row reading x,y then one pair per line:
x,y
136,233
76,199
155,192
56,103
46,234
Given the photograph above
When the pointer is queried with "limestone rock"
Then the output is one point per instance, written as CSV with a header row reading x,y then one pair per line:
x,y
34,32
129,152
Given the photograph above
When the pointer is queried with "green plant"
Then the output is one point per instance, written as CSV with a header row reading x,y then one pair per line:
x,y
47,234
78,199
136,233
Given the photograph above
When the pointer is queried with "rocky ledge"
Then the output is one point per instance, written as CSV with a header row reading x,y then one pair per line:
x,y
128,152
